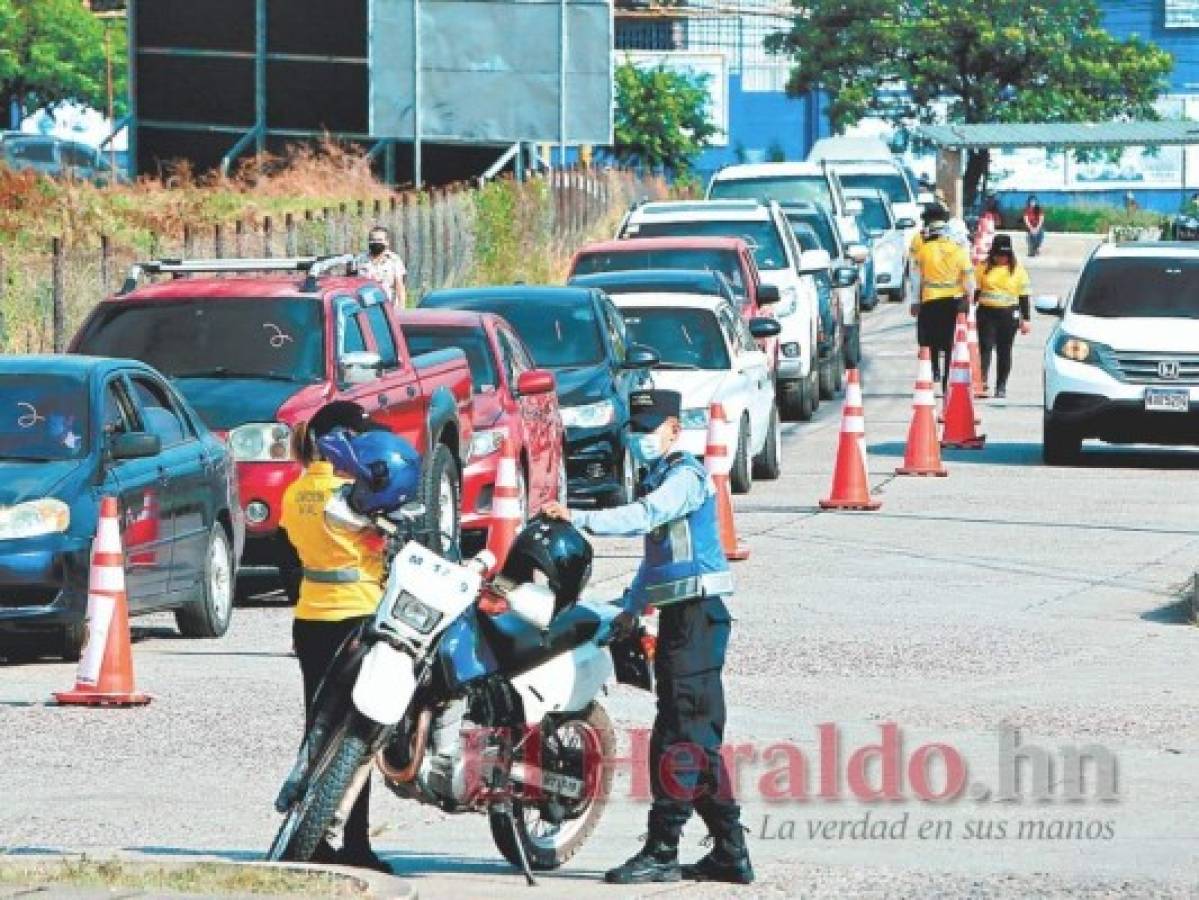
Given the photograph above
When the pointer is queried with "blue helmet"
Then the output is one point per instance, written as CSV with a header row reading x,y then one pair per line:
x,y
384,466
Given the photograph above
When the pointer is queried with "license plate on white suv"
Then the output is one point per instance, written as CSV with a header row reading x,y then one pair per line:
x,y
1167,400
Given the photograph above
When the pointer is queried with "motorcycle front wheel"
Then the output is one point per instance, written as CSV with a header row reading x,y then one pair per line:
x,y
308,821
553,830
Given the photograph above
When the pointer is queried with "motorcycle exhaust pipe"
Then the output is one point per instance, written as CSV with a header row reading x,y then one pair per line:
x,y
416,753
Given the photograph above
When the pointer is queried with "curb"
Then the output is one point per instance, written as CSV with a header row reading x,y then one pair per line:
x,y
378,885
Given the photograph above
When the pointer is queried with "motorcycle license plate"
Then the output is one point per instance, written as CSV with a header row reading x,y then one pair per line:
x,y
437,582
1167,400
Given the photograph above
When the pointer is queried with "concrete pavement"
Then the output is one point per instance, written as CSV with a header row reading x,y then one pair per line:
x,y
1008,594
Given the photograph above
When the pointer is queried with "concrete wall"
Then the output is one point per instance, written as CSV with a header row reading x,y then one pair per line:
x,y
1145,19
1159,200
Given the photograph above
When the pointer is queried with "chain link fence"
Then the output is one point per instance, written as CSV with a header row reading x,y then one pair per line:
x,y
501,232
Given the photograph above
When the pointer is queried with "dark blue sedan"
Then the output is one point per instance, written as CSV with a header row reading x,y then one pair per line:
x,y
74,429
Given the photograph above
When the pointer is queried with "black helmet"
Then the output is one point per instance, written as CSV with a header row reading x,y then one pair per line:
x,y
935,212
558,551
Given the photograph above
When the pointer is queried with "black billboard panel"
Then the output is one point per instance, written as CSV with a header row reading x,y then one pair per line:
x,y
185,89
317,96
317,27
158,148
191,25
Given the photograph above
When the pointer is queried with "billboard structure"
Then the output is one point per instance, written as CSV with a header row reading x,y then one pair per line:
x,y
210,81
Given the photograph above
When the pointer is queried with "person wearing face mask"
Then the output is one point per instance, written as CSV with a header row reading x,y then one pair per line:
x,y
686,576
382,264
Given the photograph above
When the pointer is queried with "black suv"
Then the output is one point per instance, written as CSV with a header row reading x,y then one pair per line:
x,y
579,334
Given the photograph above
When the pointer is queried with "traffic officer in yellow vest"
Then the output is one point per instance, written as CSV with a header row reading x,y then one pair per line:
x,y
943,280
342,584
1003,308
686,576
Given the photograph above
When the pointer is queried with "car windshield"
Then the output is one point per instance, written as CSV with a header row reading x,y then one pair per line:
x,y
783,188
818,226
893,185
874,214
1139,287
559,333
276,338
472,342
684,338
723,261
761,237
42,417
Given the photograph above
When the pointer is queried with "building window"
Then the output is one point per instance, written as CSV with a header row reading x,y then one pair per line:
x,y
641,34
1182,13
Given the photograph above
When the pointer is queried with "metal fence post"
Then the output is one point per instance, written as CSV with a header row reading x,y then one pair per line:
x,y
267,234
327,216
187,242
218,241
289,226
239,233
105,264
58,303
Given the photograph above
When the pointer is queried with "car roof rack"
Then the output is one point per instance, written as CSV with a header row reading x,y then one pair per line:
x,y
312,266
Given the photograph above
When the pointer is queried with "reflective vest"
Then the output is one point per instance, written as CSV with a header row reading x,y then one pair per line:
x,y
944,267
1001,287
343,569
683,559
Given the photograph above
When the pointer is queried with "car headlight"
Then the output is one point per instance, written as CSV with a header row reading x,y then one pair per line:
x,y
589,415
415,614
484,443
261,442
694,418
34,519
1077,350
788,300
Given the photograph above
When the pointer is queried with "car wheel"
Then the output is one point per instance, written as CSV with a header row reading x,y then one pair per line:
x,y
1060,446
70,646
440,488
852,350
628,480
793,401
839,371
814,388
828,375
208,616
741,478
768,464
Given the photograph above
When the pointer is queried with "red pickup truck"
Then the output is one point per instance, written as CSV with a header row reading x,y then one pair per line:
x,y
258,351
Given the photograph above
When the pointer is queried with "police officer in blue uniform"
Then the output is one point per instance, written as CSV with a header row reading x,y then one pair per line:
x,y
685,575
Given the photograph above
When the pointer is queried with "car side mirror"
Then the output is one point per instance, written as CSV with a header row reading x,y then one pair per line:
x,y
845,276
813,261
764,328
138,445
906,223
535,381
360,367
1049,305
639,356
858,253
768,294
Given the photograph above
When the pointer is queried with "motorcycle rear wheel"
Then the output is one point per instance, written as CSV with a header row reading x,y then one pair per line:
x,y
548,845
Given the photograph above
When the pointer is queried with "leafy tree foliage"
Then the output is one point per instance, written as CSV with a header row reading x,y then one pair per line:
x,y
661,117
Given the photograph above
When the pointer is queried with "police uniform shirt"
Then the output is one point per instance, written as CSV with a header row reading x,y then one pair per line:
x,y
944,268
326,548
1001,287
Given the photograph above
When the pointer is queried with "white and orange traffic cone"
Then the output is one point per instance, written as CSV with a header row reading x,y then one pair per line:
x,y
105,674
959,402
718,461
922,456
977,384
851,478
506,518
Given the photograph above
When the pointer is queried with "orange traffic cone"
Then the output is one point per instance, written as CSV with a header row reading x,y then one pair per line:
x,y
105,674
976,361
851,480
719,463
505,506
959,403
923,453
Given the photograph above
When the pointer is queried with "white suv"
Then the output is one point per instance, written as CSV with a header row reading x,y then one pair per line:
x,y
781,263
1123,365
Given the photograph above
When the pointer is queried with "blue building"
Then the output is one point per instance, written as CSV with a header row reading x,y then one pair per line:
x,y
1172,25
761,122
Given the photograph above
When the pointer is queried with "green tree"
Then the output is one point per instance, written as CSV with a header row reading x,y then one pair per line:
x,y
1000,61
54,50
661,117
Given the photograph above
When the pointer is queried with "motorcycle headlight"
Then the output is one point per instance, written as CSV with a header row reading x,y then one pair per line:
x,y
694,418
484,443
1077,350
34,519
261,442
589,415
415,614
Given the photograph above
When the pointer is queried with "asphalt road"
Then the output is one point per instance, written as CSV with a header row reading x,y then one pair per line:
x,y
1006,595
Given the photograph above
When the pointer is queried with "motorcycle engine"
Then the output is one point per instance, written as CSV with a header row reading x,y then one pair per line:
x,y
443,772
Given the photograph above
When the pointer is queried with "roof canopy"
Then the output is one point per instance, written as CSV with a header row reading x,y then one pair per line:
x,y
1061,134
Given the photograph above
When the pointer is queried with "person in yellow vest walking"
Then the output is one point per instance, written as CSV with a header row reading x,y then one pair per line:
x,y
342,584
1003,308
943,280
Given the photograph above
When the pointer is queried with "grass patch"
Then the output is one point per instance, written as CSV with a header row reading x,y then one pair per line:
x,y
1088,219
194,878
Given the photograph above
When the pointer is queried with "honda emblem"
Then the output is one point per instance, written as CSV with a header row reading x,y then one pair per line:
x,y
1168,369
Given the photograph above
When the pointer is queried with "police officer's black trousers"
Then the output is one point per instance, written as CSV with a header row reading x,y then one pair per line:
x,y
316,645
997,327
935,324
687,771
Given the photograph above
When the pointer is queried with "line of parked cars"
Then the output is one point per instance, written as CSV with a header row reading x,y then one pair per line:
x,y
181,394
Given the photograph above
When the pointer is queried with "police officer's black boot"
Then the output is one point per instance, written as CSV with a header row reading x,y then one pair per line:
x,y
657,861
728,861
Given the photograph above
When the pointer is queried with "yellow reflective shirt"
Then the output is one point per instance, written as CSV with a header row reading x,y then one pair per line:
x,y
944,269
327,549
1000,287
